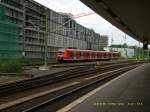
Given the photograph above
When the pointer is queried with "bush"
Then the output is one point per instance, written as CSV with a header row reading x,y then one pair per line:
x,y
10,66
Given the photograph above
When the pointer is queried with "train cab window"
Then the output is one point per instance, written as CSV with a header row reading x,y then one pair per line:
x,y
60,53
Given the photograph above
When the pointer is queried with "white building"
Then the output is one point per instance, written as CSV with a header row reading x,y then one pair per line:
x,y
125,52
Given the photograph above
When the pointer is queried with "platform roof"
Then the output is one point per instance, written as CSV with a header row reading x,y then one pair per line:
x,y
130,16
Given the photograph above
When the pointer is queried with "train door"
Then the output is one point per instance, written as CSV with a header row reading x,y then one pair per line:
x,y
78,55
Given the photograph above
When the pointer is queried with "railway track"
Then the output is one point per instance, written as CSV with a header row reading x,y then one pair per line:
x,y
55,103
53,97
57,65
53,78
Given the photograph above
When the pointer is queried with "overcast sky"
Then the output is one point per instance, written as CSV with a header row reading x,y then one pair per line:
x,y
93,21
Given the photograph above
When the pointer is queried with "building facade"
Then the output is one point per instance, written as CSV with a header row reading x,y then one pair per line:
x,y
43,31
103,42
125,52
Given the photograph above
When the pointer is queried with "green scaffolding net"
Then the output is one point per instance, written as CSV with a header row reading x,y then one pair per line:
x,y
9,37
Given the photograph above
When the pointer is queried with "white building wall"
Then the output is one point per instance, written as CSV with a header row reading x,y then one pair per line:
x,y
125,52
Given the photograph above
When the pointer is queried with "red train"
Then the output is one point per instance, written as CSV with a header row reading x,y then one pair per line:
x,y
76,54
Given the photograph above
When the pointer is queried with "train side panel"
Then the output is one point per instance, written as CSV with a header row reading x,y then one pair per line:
x,y
76,54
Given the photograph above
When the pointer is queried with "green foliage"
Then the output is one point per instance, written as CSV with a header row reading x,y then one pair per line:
x,y
140,54
10,66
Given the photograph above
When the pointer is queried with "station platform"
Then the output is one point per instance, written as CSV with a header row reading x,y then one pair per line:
x,y
129,92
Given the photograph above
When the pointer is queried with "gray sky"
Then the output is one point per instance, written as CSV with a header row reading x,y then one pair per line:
x,y
93,21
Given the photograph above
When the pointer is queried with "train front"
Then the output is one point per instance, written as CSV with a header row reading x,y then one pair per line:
x,y
60,55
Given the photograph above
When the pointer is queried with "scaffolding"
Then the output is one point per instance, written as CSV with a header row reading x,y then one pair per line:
x,y
9,37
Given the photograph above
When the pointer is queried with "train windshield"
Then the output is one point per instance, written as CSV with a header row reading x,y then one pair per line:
x,y
60,51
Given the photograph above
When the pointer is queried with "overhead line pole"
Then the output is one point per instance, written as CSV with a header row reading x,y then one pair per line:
x,y
24,30
45,67
46,36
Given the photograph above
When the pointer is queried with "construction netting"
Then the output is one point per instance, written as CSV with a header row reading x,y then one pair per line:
x,y
9,37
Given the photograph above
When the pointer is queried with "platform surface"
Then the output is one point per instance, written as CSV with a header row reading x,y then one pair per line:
x,y
129,92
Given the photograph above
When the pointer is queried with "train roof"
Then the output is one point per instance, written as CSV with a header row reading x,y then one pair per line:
x,y
62,49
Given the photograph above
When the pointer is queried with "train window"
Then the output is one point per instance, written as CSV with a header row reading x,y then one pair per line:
x,y
114,54
71,54
100,54
90,54
109,55
82,53
75,53
87,54
97,54
104,54
93,54
79,53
